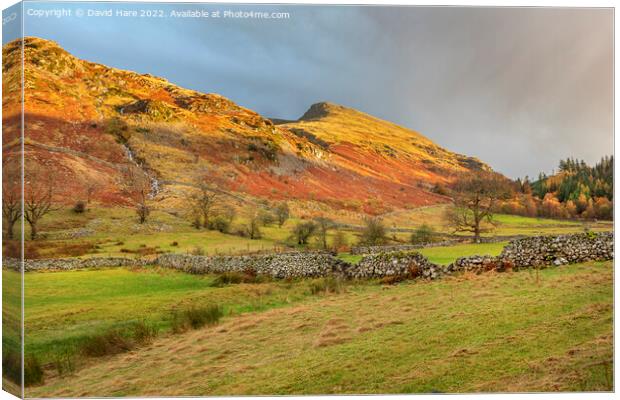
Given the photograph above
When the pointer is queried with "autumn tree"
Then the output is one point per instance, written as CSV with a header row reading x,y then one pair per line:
x,y
11,196
38,196
303,231
475,196
374,232
282,213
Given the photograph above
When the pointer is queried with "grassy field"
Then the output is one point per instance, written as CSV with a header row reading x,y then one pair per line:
x,y
65,308
493,332
115,232
506,225
445,255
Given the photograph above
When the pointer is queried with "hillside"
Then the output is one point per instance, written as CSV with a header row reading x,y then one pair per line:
x,y
89,122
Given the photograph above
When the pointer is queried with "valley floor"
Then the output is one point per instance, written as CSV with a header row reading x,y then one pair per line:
x,y
491,332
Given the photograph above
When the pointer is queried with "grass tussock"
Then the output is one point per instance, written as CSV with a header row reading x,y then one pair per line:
x,y
115,341
108,343
64,363
144,333
327,285
232,278
33,371
195,317
11,365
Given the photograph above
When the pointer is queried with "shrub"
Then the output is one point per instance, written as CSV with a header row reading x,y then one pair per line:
x,y
303,231
374,232
326,285
440,189
197,251
11,368
392,279
249,275
282,213
79,207
220,223
108,343
423,234
266,217
228,278
195,317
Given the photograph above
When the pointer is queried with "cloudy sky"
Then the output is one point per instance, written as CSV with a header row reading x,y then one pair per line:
x,y
518,88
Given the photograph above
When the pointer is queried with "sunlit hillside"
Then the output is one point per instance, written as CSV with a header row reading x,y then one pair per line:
x,y
88,122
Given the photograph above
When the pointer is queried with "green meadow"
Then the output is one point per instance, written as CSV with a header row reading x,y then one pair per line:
x,y
491,332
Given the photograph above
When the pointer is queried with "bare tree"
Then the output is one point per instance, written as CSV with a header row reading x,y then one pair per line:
x,y
91,189
253,226
38,196
202,202
11,195
474,196
139,188
323,225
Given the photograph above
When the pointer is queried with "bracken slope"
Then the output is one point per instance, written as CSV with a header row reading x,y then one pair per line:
x,y
89,122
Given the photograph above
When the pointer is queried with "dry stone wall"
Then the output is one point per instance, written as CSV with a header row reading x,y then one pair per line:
x,y
558,250
520,253
286,265
69,264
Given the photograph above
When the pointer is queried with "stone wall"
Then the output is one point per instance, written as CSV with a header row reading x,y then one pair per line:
x,y
540,251
69,264
285,265
391,264
479,264
520,253
558,250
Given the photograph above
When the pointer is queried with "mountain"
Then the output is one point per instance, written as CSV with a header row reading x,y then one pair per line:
x,y
88,122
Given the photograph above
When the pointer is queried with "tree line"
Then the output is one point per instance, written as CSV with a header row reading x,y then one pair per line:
x,y
577,190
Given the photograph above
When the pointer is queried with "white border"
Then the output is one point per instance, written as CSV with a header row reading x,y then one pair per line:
x,y
477,3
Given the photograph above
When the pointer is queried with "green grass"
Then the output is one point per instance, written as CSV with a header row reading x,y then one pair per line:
x,y
350,258
64,308
444,255
493,332
506,225
115,232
